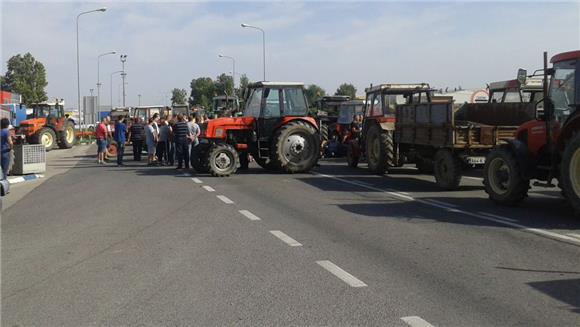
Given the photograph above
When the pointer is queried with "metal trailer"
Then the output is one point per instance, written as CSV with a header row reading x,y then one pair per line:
x,y
432,135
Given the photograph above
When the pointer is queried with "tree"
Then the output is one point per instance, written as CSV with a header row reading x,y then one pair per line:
x,y
178,96
27,77
314,92
346,89
224,84
244,81
202,91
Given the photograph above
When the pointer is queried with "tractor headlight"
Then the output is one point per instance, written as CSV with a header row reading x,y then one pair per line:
x,y
219,132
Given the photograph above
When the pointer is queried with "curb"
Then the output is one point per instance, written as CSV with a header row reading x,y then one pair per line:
x,y
20,179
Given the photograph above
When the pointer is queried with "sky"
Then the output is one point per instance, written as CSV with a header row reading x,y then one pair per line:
x,y
453,43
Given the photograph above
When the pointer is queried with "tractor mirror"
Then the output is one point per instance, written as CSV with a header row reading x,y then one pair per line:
x,y
522,74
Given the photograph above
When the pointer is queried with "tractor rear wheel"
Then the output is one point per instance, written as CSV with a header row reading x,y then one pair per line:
x,y
447,170
570,172
380,150
67,136
296,147
502,178
352,156
45,136
222,160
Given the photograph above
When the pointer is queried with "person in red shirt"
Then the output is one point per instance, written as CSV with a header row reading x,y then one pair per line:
x,y
101,135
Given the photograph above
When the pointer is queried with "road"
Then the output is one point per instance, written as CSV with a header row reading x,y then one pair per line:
x,y
103,245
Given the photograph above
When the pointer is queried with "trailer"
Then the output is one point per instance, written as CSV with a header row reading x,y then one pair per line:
x,y
433,136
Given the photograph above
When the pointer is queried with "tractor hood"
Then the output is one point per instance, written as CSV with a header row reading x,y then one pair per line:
x,y
217,128
30,126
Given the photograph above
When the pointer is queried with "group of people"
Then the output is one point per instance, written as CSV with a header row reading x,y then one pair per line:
x,y
335,146
168,141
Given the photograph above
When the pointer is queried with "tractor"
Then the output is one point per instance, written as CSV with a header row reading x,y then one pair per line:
x,y
48,125
545,148
275,129
224,106
377,138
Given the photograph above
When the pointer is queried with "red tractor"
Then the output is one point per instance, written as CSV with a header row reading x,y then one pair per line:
x,y
547,147
275,129
48,125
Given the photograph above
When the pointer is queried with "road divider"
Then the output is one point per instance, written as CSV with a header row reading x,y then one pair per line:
x,y
341,274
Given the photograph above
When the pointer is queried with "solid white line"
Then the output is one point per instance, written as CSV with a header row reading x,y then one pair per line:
x,y
341,274
225,199
441,203
285,238
574,235
498,217
197,180
208,188
249,215
415,321
475,178
501,221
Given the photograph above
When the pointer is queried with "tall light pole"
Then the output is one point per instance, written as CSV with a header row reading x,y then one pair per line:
x,y
139,95
123,59
263,45
233,71
99,80
113,73
82,118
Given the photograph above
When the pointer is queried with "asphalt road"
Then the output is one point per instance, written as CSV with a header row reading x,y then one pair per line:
x,y
153,246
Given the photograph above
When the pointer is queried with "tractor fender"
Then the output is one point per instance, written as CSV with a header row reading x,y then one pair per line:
x,y
523,157
308,120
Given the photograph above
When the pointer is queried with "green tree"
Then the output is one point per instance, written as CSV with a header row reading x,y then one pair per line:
x,y
346,89
314,92
27,77
244,81
178,96
202,91
224,84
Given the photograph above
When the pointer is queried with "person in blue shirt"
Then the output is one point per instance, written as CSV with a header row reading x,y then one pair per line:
x,y
120,137
6,146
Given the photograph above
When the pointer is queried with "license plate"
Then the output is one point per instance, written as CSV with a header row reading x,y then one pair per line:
x,y
476,160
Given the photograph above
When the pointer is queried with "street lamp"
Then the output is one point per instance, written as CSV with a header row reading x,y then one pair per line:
x,y
113,73
99,79
233,71
123,59
139,95
81,119
263,45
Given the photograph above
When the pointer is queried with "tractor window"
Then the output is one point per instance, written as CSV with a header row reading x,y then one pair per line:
x,y
562,88
391,102
497,96
294,102
272,105
375,106
512,96
254,103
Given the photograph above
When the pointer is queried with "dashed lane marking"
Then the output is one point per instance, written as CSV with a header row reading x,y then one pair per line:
x,y
415,321
285,238
474,178
225,199
249,215
208,188
501,220
341,273
196,180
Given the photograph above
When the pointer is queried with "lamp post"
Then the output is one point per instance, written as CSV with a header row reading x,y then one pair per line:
x,y
113,73
82,118
139,95
99,79
123,59
263,45
233,70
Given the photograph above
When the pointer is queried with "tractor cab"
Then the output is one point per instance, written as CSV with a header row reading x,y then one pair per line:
x,y
146,112
46,109
347,111
180,109
329,106
225,106
516,91
381,100
564,89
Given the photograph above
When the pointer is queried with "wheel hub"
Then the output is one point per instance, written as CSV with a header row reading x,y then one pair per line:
x,y
499,176
46,140
223,161
295,147
70,135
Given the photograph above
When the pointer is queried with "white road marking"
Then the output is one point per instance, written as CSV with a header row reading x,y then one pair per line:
x,y
441,203
208,188
225,199
196,180
341,274
415,321
574,235
285,238
249,215
474,178
501,221
498,217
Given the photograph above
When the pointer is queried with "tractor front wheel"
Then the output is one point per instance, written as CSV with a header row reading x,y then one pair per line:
x,y
222,160
296,147
46,137
380,150
502,178
570,172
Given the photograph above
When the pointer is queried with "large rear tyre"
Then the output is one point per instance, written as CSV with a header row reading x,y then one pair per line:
x,y
352,155
222,160
447,170
570,172
46,137
502,178
380,150
67,136
296,147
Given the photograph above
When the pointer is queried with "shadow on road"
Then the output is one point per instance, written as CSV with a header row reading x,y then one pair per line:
x,y
564,290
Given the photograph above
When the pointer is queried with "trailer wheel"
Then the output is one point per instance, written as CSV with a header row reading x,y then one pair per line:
x,y
570,172
447,170
222,160
380,150
352,156
502,178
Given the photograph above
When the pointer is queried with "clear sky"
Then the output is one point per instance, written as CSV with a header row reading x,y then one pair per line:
x,y
326,43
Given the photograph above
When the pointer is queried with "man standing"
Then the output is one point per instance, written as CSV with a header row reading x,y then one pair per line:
x,y
195,131
136,136
101,135
120,138
181,136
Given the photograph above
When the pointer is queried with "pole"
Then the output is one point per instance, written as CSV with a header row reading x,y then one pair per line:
x,y
263,46
123,59
117,72
95,117
139,95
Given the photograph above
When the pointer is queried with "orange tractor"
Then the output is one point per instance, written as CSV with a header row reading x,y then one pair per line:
x,y
547,147
275,129
48,125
